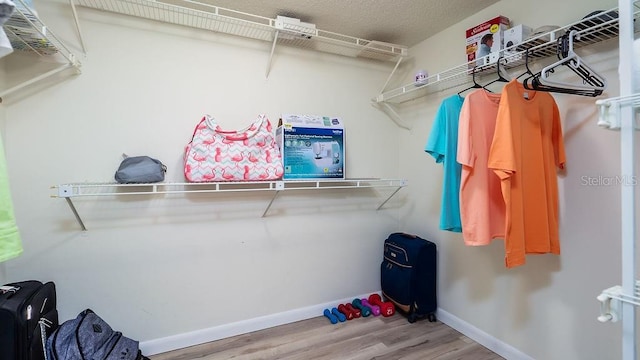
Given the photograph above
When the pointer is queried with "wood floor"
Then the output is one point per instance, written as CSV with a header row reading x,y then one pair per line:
x,y
370,338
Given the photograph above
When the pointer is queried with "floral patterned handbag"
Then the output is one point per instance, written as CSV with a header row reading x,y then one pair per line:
x,y
215,154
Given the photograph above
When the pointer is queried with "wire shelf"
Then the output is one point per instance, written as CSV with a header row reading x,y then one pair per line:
x,y
192,14
70,191
115,189
27,33
209,17
590,30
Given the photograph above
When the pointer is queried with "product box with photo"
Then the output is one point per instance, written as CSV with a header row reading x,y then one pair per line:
x,y
486,39
514,37
312,146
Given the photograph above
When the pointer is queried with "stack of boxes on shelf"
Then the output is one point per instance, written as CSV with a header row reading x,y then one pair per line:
x,y
514,37
485,41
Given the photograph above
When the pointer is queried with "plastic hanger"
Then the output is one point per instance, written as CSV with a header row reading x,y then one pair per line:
x,y
593,83
570,59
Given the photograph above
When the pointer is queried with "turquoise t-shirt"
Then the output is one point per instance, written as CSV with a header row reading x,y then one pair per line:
x,y
443,146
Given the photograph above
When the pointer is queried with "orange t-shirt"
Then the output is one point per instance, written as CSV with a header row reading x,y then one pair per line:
x,y
526,149
482,208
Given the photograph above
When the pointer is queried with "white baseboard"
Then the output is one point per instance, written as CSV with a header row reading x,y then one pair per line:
x,y
499,347
175,342
197,337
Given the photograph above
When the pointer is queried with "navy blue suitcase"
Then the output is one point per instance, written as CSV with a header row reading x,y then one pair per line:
x,y
408,275
28,315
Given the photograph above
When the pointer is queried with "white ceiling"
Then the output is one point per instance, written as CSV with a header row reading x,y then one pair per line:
x,y
401,22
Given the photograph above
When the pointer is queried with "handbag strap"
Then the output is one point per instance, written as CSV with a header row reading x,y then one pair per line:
x,y
234,135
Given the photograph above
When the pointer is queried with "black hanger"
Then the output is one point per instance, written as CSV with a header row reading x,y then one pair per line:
x,y
500,77
526,65
475,83
533,83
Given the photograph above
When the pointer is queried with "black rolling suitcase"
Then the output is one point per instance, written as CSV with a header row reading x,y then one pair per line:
x,y
408,275
28,315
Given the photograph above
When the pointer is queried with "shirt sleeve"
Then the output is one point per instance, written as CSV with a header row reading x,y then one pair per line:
x,y
437,138
501,153
558,142
465,154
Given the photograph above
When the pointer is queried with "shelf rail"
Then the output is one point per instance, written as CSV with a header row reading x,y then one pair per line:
x,y
620,302
69,191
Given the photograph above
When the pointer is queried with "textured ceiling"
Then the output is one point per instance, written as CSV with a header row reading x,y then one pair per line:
x,y
401,22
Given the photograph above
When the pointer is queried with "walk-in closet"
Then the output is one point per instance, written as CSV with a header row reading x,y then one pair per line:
x,y
179,263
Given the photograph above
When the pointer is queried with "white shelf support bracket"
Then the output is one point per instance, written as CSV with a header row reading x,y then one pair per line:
x,y
75,18
402,184
66,191
273,48
392,113
75,213
279,187
35,80
391,75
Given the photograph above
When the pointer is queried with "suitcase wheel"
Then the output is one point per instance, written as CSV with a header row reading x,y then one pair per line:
x,y
412,318
432,318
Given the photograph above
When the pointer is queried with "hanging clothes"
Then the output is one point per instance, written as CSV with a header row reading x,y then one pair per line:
x,y
443,146
527,149
482,208
10,242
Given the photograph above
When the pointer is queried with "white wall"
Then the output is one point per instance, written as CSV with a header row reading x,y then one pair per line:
x,y
547,308
166,265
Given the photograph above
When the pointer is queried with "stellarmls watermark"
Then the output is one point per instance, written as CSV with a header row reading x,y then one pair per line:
x,y
617,180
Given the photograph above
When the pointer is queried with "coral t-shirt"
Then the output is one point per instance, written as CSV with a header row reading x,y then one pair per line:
x,y
526,151
482,208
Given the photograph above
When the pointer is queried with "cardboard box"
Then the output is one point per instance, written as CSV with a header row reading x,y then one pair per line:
x,y
514,36
479,50
312,147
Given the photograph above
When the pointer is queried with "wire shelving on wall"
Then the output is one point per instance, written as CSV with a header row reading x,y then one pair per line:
x,y
590,30
70,191
28,34
198,15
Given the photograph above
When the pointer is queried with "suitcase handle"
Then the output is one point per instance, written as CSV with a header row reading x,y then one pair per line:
x,y
8,288
397,249
407,235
